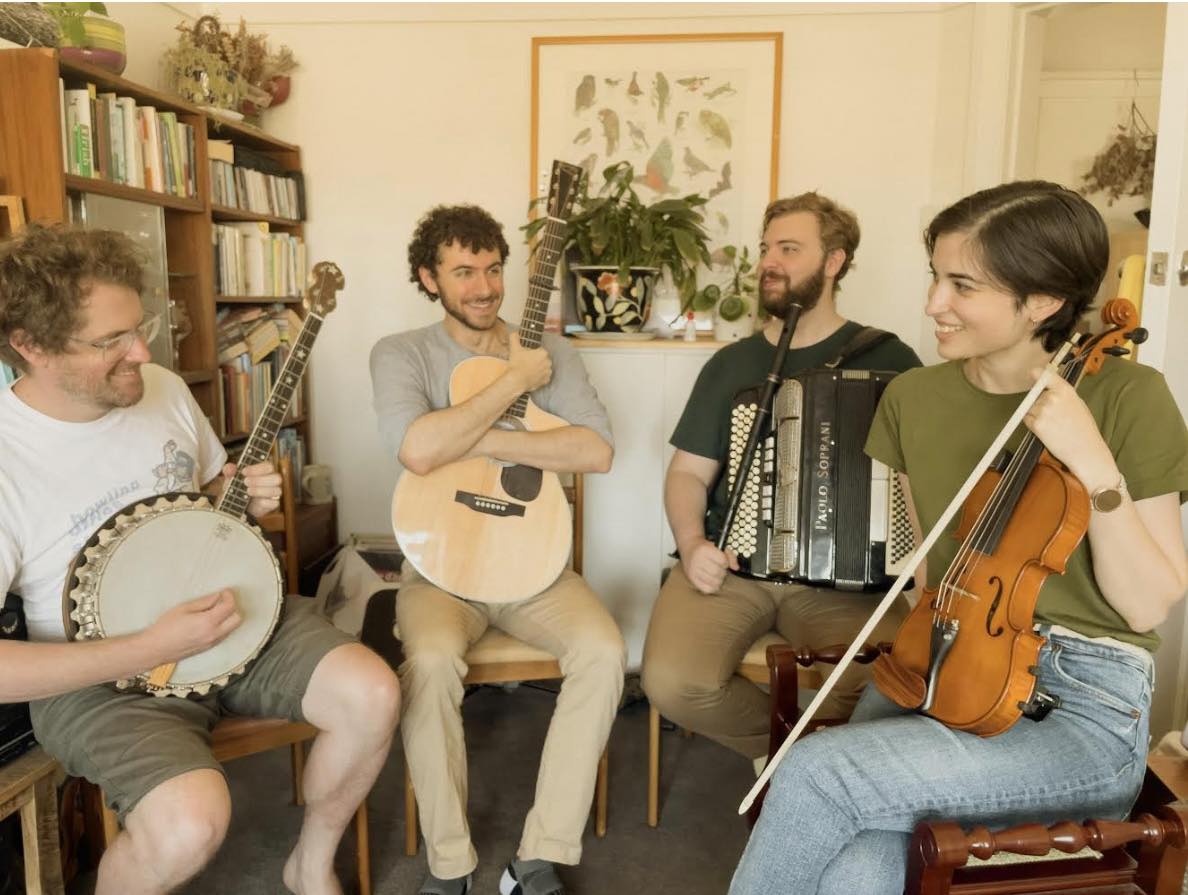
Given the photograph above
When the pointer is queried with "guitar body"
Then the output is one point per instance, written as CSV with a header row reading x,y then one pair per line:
x,y
482,529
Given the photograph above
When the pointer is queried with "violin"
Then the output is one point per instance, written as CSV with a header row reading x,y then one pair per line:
x,y
967,652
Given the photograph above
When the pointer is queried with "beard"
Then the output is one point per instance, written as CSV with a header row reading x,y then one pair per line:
x,y
113,389
806,293
455,310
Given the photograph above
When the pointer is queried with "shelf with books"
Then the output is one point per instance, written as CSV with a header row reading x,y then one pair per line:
x,y
35,164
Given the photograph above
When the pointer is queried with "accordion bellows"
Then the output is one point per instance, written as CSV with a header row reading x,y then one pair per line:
x,y
816,509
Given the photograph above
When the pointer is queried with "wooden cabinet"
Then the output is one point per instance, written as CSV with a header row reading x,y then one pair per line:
x,y
32,165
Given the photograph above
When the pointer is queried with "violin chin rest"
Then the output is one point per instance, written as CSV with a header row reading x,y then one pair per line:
x,y
899,684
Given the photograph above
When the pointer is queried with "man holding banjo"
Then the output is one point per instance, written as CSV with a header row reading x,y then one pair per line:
x,y
85,431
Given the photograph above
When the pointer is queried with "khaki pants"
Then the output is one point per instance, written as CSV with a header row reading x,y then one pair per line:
x,y
436,630
696,641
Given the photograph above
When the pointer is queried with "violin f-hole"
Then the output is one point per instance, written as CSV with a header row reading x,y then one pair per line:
x,y
997,582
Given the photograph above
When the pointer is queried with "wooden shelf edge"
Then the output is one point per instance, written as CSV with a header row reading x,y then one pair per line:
x,y
257,299
82,184
222,213
225,129
192,377
109,82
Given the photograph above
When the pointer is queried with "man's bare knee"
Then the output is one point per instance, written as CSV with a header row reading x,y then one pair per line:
x,y
176,829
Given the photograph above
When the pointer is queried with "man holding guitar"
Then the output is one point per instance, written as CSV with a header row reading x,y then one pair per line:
x,y
89,427
496,475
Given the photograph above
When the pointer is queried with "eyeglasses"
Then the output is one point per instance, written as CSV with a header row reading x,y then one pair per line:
x,y
115,347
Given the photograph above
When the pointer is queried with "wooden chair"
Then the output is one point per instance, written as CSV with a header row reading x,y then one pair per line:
x,y
499,658
237,737
755,669
27,785
944,859
940,853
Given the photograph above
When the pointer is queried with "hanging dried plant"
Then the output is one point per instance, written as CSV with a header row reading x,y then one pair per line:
x,y
1126,167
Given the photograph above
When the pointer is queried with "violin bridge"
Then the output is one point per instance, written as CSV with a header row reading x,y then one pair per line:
x,y
944,635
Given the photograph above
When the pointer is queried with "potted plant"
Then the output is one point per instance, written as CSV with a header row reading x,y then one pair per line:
x,y
1126,167
88,35
617,245
735,303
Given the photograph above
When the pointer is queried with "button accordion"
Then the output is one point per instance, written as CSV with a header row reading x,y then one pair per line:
x,y
816,509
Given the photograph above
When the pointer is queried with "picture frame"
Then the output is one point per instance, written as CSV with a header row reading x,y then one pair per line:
x,y
691,112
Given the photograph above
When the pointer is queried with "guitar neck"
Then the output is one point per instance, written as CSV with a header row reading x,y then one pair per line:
x,y
541,277
259,444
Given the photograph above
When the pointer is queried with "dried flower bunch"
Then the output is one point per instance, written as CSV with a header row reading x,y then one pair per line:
x,y
210,64
1126,167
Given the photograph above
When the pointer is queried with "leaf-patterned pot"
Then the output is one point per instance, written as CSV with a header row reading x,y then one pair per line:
x,y
606,305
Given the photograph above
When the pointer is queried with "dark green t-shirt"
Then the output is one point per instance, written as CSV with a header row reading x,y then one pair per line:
x,y
934,424
704,427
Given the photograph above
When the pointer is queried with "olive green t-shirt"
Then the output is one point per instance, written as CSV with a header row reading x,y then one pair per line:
x,y
704,427
934,425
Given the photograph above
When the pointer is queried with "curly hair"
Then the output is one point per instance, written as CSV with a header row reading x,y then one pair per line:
x,y
1032,237
838,225
46,274
468,225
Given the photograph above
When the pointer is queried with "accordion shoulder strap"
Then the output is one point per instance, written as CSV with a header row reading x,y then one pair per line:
x,y
862,341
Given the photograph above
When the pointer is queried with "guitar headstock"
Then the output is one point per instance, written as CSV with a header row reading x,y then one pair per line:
x,y
563,188
324,282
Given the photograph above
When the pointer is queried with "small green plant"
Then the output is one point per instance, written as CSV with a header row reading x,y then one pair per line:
x,y
617,229
70,19
740,292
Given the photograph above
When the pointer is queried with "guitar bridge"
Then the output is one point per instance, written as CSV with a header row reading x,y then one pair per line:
x,y
491,506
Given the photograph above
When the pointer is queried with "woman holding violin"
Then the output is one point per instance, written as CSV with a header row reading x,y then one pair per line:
x,y
1014,268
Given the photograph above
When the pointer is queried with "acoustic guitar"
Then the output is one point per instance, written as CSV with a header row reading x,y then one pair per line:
x,y
480,528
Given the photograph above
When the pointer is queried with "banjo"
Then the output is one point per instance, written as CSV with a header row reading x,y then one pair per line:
x,y
163,550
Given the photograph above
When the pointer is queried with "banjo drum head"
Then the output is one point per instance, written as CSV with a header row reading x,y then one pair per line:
x,y
168,552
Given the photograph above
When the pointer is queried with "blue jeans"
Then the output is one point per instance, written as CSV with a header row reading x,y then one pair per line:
x,y
843,804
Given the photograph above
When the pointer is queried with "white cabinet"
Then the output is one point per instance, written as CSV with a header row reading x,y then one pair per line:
x,y
644,387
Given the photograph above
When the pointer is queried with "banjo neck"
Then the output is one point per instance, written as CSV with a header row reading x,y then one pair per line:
x,y
259,444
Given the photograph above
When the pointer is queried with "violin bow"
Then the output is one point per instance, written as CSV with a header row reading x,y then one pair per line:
x,y
1052,369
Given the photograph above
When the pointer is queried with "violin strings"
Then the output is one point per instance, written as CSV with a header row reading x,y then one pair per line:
x,y
962,567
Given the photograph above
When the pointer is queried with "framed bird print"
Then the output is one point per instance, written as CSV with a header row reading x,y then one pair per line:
x,y
693,113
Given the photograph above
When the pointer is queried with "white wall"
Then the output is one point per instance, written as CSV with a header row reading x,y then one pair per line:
x,y
398,108
149,30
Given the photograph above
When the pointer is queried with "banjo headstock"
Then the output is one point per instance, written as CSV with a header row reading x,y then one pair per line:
x,y
324,282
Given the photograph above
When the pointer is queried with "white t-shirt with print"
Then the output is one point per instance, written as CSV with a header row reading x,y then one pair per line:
x,y
60,481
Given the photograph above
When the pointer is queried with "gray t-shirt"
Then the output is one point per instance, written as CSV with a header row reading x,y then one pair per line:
x,y
410,376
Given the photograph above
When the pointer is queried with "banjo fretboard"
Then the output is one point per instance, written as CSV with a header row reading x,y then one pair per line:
x,y
259,444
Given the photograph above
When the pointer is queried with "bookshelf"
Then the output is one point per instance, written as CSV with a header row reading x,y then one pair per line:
x,y
33,162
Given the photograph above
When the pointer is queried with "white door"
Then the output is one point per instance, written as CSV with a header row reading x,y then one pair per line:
x,y
1165,315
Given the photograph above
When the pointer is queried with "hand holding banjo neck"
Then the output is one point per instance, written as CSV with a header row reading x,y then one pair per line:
x,y
1121,317
166,548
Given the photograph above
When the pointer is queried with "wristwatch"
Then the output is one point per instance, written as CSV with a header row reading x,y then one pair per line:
x,y
1108,499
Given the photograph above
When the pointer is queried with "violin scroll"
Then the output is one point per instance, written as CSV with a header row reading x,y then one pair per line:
x,y
1121,319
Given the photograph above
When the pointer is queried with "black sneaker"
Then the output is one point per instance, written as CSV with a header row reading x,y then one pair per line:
x,y
434,886
530,878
